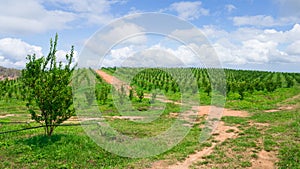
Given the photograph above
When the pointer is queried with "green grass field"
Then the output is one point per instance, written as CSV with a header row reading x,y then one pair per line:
x,y
275,132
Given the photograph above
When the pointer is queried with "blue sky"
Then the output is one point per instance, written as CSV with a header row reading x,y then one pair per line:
x,y
246,34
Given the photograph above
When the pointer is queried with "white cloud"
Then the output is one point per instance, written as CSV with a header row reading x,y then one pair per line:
x,y
39,16
257,20
13,52
265,20
293,34
61,56
255,46
294,48
226,52
124,29
256,51
189,10
31,17
117,56
230,7
189,35
244,46
212,32
153,56
122,53
96,12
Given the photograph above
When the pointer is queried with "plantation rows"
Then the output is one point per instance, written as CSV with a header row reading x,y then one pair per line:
x,y
12,89
206,80
174,80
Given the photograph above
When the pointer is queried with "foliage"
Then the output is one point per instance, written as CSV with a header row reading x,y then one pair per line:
x,y
28,149
172,81
140,94
122,94
49,88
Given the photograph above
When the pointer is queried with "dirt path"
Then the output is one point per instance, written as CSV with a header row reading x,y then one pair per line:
x,y
286,107
116,83
220,135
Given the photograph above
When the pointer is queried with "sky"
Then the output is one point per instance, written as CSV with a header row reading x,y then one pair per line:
x,y
244,34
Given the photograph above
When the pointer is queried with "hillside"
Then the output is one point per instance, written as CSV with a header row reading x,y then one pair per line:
x,y
9,73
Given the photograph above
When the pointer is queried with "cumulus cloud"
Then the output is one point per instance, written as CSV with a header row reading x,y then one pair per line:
x,y
264,20
256,51
13,52
256,46
189,10
131,31
117,56
152,57
244,46
30,16
117,34
39,16
294,48
189,35
61,56
157,55
96,12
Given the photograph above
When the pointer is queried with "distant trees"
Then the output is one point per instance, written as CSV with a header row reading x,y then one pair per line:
x,y
48,83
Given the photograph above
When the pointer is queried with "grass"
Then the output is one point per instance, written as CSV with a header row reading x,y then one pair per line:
x,y
280,136
67,148
70,147
259,101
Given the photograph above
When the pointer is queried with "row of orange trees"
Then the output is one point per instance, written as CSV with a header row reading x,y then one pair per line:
x,y
192,80
176,80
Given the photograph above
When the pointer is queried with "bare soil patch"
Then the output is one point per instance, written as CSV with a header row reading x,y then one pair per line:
x,y
75,119
205,110
128,117
14,115
117,84
290,107
7,115
265,160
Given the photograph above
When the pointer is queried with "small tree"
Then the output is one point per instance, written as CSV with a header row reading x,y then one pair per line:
x,y
48,88
208,89
140,94
241,88
122,95
153,96
130,94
